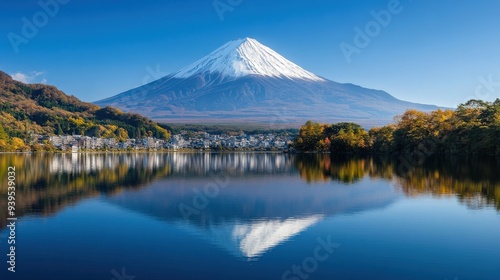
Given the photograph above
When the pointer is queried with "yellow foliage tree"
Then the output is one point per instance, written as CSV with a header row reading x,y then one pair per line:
x,y
17,144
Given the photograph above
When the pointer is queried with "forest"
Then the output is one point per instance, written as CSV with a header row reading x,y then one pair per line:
x,y
472,128
28,109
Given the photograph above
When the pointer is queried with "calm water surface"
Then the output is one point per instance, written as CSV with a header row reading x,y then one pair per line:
x,y
251,216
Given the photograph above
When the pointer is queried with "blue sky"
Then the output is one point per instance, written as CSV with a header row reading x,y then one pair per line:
x,y
437,52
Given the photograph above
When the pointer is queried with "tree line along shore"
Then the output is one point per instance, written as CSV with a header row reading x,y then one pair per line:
x,y
472,128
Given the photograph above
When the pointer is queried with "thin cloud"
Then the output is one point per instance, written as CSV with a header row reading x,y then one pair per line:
x,y
20,77
32,77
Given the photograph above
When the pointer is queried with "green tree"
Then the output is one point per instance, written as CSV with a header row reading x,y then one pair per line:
x,y
3,134
381,139
352,139
4,138
59,130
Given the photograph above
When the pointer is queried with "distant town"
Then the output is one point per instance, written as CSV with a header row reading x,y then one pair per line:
x,y
185,141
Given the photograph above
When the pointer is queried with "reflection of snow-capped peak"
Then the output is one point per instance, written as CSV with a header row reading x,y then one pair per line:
x,y
257,238
253,239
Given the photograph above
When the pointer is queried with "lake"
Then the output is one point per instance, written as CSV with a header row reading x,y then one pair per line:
x,y
277,216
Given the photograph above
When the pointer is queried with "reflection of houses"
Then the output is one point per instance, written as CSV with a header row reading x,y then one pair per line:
x,y
208,162
88,162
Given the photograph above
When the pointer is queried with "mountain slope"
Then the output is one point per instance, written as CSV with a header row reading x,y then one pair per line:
x,y
42,109
246,81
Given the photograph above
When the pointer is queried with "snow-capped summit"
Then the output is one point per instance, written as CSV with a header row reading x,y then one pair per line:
x,y
245,57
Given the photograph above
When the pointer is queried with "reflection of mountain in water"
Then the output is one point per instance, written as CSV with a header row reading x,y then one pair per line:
x,y
252,215
247,200
47,182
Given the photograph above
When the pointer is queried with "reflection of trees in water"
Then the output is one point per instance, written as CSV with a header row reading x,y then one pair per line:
x,y
475,181
46,183
343,169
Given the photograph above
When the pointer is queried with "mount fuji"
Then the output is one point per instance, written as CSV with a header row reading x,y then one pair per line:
x,y
244,81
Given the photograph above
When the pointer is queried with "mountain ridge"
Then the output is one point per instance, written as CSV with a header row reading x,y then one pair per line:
x,y
238,82
44,109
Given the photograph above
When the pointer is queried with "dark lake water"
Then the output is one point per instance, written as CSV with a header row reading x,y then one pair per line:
x,y
251,216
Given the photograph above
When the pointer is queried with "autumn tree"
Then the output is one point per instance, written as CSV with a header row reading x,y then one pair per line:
x,y
17,144
4,138
309,136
